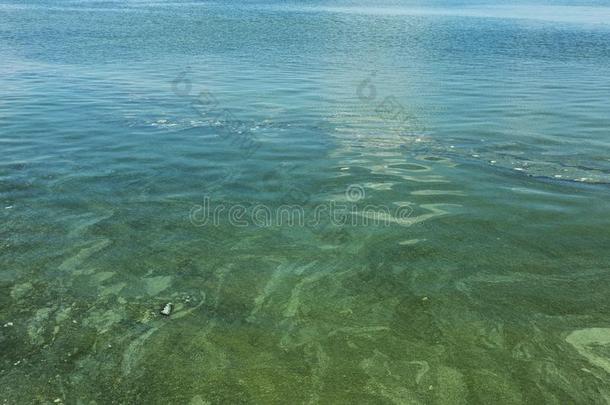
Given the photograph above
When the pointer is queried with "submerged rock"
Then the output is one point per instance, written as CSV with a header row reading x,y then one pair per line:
x,y
167,309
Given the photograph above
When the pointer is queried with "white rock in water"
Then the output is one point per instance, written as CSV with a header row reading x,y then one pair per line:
x,y
167,309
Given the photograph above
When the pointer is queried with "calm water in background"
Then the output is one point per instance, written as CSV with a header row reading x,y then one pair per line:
x,y
490,123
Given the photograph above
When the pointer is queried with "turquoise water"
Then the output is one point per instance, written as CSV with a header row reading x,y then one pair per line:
x,y
344,202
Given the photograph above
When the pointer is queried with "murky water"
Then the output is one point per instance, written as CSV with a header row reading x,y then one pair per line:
x,y
344,203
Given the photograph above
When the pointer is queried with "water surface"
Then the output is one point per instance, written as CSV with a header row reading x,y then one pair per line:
x,y
477,132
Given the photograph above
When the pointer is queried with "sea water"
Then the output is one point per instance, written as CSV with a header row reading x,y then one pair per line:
x,y
344,201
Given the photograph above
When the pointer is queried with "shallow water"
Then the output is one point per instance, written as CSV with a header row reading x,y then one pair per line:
x,y
446,169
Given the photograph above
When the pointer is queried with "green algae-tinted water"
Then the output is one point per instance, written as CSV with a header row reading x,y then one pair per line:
x,y
414,203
